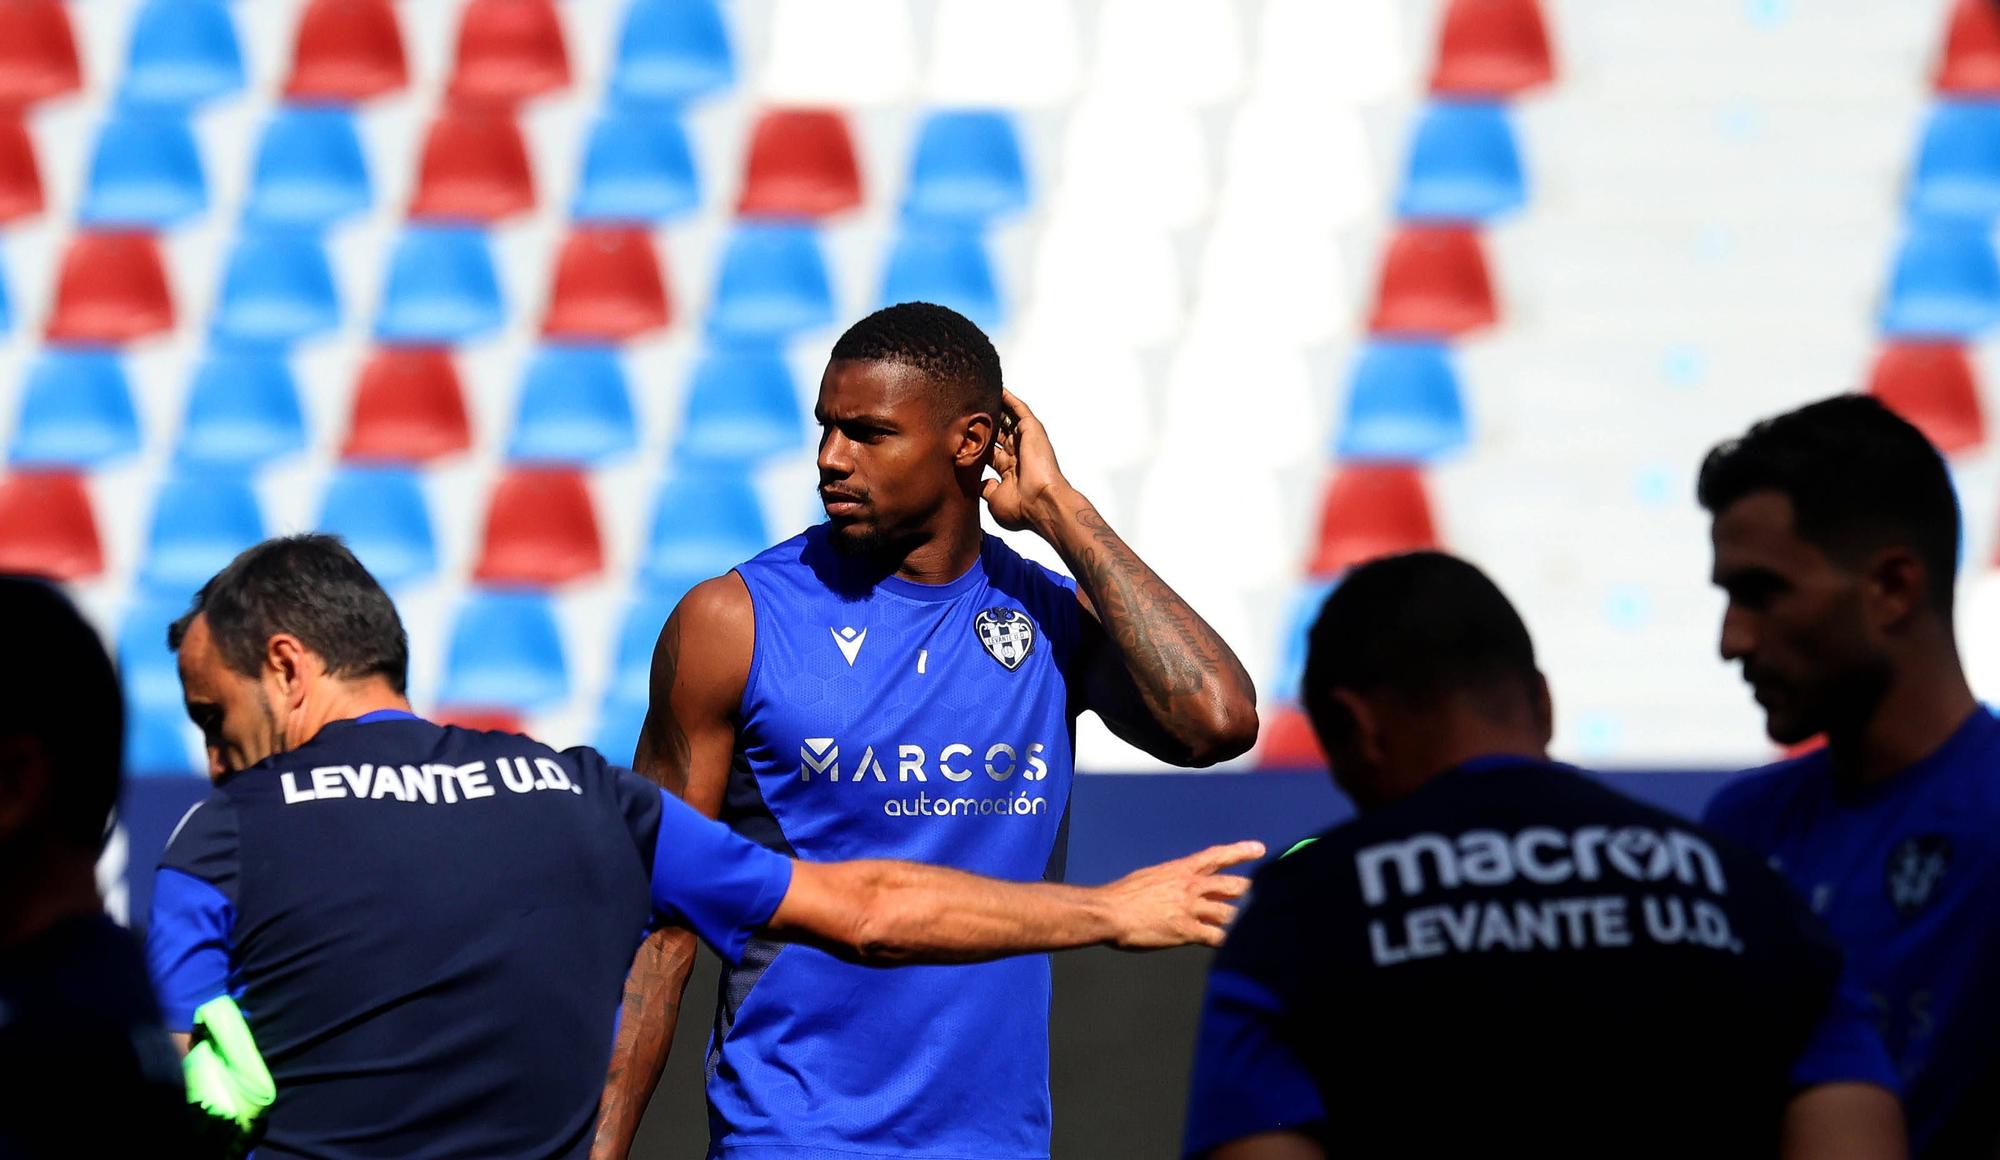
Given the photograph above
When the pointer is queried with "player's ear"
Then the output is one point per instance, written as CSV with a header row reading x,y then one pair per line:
x,y
1361,731
24,785
1897,586
975,440
290,664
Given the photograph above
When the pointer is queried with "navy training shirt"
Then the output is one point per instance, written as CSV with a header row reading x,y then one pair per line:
x,y
1516,955
428,929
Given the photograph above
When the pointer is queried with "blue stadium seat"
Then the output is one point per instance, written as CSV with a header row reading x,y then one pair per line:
x,y
946,265
310,170
637,633
277,290
1299,618
741,406
773,283
146,665
161,742
1464,165
76,411
638,167
182,52
1946,284
242,411
704,523
967,168
671,52
200,522
575,407
382,514
619,723
145,173
505,653
1403,404
442,287
1957,175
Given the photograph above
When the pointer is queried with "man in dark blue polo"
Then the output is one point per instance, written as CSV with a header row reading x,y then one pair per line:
x,y
426,928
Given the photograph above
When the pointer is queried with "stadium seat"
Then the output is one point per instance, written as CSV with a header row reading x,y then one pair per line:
x,y
182,52
1299,617
1464,165
1264,278
858,53
310,170
1270,175
475,168
1188,52
481,720
1286,741
741,407
575,408
638,632
76,411
1088,393
619,723
505,652
442,287
20,173
1273,401
382,514
1970,62
1371,510
966,168
46,526
242,411
1434,282
146,666
704,523
347,51
1021,54
771,284
160,741
638,167
1946,284
1957,175
608,286
201,520
1124,278
277,289
1932,385
508,51
944,264
145,173
1492,48
37,53
1403,404
408,408
801,165
541,530
1326,56
1135,162
671,52
112,289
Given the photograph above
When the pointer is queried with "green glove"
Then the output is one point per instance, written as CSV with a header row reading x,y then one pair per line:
x,y
225,1074
1297,846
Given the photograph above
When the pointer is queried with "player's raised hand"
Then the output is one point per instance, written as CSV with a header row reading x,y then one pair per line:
x,y
1026,463
1185,901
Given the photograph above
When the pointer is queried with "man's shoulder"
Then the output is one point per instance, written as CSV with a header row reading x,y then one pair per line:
x,y
1756,794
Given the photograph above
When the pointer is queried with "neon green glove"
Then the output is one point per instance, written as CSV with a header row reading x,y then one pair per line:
x,y
225,1074
1297,846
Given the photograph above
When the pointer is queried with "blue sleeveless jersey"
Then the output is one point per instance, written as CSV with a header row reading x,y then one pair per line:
x,y
889,719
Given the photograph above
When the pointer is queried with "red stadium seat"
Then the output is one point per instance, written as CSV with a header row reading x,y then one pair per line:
x,y
20,175
509,51
347,50
112,288
1372,510
1931,384
1286,741
37,52
481,720
608,286
801,166
540,530
475,168
1492,48
408,408
1970,63
46,527
1434,283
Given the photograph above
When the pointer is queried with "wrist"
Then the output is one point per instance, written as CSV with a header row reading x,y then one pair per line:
x,y
1055,509
1110,923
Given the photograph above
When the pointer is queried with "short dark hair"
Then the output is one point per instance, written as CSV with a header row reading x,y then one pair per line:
x,y
312,587
945,345
61,691
1420,627
1859,476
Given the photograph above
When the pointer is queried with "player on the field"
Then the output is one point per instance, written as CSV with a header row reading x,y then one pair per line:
x,y
1836,540
427,928
1500,953
897,683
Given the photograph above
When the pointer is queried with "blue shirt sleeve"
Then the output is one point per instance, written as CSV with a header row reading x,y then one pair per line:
x,y
712,879
1246,1081
187,944
1846,1046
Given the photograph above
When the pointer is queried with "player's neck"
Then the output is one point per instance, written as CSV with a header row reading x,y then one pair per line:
x,y
345,701
44,891
1924,705
948,552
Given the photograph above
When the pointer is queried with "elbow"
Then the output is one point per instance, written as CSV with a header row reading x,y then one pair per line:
x,y
1229,733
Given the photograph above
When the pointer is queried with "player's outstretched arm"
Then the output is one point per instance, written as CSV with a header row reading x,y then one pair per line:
x,y
886,913
684,747
1156,672
1844,1121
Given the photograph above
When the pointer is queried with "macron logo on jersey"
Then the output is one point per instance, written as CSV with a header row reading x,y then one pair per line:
x,y
850,642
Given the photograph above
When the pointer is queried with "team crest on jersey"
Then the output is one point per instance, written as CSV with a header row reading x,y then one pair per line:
x,y
1916,866
1007,634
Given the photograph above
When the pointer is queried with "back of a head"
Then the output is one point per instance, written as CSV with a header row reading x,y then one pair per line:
x,y
951,351
60,695
1859,478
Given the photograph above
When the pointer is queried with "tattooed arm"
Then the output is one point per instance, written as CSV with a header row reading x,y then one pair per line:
x,y
1153,669
686,746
